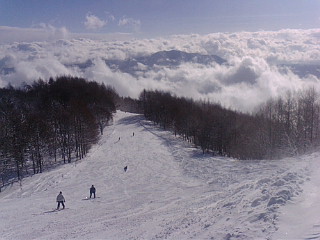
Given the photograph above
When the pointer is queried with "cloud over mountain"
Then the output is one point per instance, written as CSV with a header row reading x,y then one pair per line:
x,y
259,65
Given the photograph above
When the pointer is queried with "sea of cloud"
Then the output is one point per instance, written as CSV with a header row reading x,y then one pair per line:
x,y
251,77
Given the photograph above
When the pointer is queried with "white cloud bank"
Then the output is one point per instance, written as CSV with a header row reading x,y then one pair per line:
x,y
251,77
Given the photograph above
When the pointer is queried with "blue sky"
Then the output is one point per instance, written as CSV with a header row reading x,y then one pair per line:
x,y
150,18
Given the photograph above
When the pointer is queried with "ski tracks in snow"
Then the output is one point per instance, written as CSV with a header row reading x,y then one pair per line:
x,y
235,199
169,191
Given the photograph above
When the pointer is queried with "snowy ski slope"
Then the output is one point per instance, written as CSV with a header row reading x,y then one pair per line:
x,y
170,191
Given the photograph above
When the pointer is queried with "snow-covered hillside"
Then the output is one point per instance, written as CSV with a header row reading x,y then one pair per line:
x,y
170,191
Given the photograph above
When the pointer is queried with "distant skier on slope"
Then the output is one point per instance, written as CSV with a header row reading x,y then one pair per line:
x,y
60,200
93,191
125,168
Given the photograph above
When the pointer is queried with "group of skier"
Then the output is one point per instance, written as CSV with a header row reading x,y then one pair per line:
x,y
61,199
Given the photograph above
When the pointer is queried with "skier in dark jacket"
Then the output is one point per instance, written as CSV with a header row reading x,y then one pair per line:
x,y
60,200
93,191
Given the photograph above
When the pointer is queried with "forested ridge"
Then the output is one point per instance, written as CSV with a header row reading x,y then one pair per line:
x,y
57,121
49,123
285,126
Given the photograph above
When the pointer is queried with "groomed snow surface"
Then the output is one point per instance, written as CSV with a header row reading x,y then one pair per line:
x,y
170,191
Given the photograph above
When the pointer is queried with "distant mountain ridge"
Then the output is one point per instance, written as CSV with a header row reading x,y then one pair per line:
x,y
175,57
172,58
302,70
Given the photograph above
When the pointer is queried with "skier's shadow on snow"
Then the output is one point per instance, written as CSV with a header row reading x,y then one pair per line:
x,y
90,198
55,210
